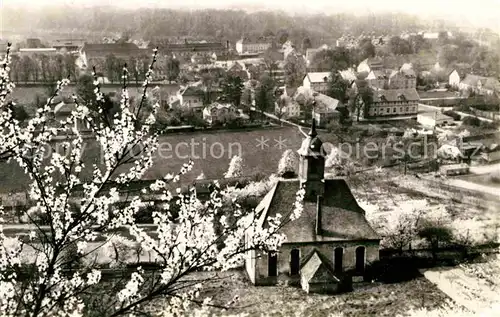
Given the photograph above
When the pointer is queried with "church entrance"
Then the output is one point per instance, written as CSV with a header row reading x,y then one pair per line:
x,y
338,255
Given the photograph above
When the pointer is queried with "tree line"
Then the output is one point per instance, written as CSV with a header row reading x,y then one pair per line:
x,y
43,68
227,24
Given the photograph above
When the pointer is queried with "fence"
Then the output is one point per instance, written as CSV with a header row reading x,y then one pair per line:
x,y
440,189
485,114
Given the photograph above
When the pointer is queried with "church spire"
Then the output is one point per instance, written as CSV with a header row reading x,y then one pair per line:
x,y
312,132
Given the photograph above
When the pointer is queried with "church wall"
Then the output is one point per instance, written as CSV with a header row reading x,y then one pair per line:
x,y
325,248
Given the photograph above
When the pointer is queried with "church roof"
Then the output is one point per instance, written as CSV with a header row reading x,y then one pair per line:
x,y
317,269
342,218
312,145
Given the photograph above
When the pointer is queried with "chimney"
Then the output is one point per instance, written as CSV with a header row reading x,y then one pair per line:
x,y
319,230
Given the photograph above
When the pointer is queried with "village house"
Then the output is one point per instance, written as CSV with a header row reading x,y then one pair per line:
x,y
378,79
31,52
404,78
454,79
68,45
311,52
317,81
326,109
186,49
393,102
238,70
454,169
480,84
348,74
246,46
62,111
330,242
191,97
287,107
217,112
369,64
433,119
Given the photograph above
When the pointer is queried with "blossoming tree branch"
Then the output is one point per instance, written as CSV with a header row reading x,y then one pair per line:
x,y
54,269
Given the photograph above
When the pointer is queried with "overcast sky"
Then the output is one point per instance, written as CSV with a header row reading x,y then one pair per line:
x,y
482,12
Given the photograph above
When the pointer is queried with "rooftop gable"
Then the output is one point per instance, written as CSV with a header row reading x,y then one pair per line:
x,y
342,218
318,77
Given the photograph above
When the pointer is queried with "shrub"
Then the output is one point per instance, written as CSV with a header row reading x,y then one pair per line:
x,y
453,114
472,121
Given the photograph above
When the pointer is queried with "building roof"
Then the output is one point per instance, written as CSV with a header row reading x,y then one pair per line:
x,y
255,40
409,94
491,83
472,80
37,50
192,91
342,218
189,46
64,108
318,77
318,269
454,166
325,104
348,74
104,49
437,115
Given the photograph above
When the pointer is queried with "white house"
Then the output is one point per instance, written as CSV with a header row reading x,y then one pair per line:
x,y
217,111
433,119
286,107
191,97
317,81
250,47
348,74
454,79
370,64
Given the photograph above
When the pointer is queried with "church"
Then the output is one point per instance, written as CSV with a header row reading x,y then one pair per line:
x,y
329,244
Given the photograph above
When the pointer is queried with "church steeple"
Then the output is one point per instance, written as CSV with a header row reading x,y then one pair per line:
x,y
312,132
312,164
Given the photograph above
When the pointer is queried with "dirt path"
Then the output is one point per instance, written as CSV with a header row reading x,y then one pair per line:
x,y
473,293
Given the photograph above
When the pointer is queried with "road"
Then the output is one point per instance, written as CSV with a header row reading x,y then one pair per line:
x,y
272,116
428,108
485,169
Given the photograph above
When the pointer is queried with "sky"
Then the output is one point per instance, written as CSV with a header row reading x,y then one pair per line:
x,y
479,12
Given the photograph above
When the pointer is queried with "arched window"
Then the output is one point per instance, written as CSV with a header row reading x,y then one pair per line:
x,y
272,264
360,259
294,261
338,255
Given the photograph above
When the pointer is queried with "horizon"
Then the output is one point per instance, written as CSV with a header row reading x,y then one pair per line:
x,y
460,13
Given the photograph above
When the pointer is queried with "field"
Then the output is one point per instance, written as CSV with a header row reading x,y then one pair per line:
x,y
491,179
475,286
210,151
367,299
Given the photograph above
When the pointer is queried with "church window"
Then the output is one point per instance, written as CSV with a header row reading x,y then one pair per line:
x,y
272,264
294,261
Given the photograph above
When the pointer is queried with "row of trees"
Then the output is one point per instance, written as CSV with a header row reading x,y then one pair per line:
x,y
138,66
43,68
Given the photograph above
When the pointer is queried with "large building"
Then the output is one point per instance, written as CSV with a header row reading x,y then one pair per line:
x,y
96,54
317,81
247,46
188,49
328,243
390,103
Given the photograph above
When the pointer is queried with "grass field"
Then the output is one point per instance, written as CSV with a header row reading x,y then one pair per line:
x,y
210,151
367,299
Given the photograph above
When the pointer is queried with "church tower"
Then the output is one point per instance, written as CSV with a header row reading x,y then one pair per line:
x,y
312,165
